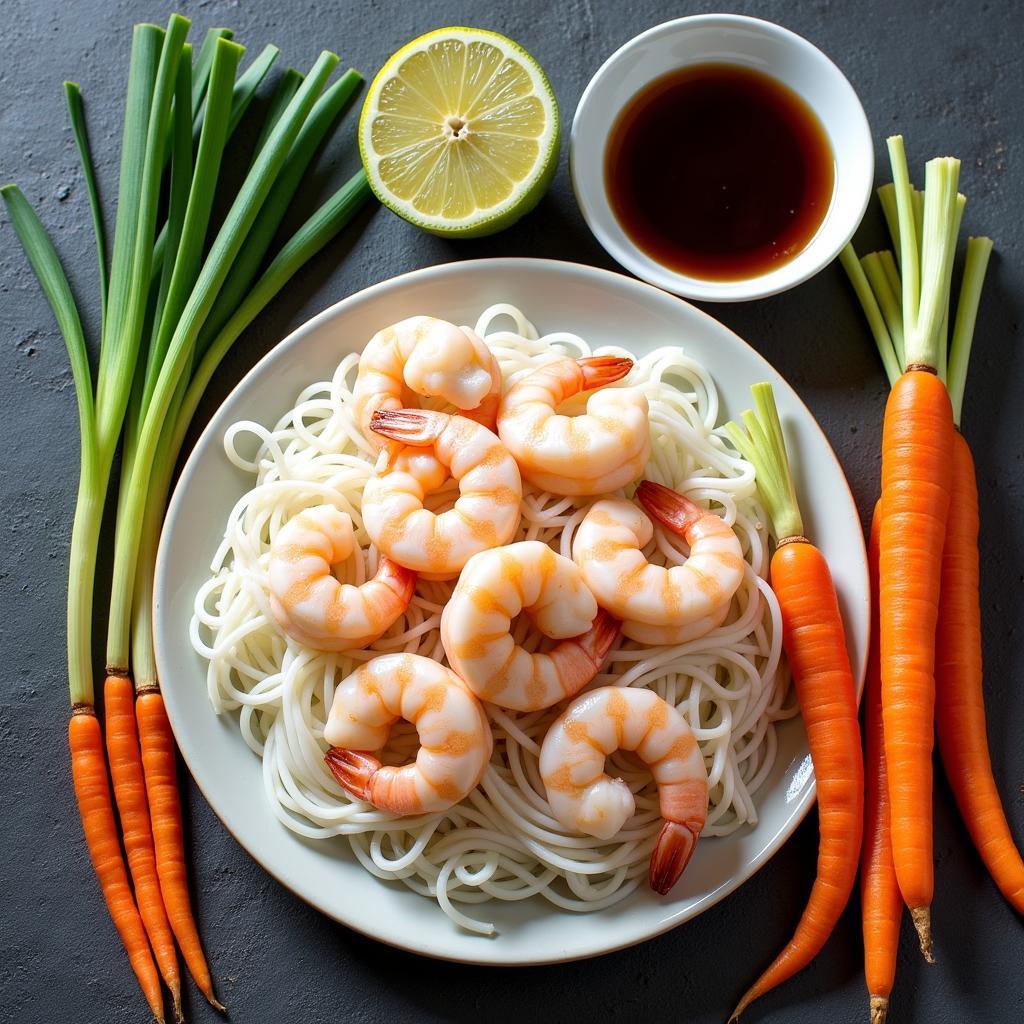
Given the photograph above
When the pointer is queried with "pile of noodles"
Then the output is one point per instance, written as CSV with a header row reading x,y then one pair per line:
x,y
502,842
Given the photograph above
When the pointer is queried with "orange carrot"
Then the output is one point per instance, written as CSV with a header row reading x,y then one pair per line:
x,y
815,645
165,810
130,795
881,902
960,708
917,450
89,770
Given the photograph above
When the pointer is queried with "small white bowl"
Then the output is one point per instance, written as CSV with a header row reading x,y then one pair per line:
x,y
752,43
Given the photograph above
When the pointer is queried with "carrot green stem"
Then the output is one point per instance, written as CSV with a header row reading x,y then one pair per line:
x,y
887,200
924,341
874,269
960,202
910,267
876,321
76,112
763,445
978,252
892,276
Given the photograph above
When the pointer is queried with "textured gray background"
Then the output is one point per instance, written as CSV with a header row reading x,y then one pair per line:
x,y
949,75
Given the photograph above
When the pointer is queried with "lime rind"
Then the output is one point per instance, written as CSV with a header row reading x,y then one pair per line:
x,y
526,194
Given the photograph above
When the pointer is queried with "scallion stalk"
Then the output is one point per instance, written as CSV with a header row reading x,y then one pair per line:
x,y
224,250
93,473
76,112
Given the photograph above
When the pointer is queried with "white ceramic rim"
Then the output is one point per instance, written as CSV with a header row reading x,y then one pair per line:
x,y
593,201
378,926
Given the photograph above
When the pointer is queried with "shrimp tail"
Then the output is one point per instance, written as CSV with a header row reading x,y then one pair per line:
x,y
598,640
354,770
418,427
672,852
673,510
597,371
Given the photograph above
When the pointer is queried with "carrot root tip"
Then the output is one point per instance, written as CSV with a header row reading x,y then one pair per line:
x,y
879,1009
215,1002
176,997
922,918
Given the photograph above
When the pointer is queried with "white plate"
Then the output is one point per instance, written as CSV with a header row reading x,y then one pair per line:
x,y
605,308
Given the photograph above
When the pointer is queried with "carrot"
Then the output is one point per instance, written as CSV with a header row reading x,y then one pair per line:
x,y
165,810
917,448
89,771
960,708
881,902
130,795
815,645
917,444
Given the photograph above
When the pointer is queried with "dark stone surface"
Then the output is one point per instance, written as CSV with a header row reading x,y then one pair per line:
x,y
949,75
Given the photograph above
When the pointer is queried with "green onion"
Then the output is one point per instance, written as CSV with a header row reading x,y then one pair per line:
x,y
244,91
146,45
321,227
287,87
224,250
258,242
201,72
189,247
162,289
76,110
92,479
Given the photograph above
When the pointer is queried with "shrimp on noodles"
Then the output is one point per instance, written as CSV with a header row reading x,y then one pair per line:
x,y
428,357
493,588
585,798
486,513
659,605
309,603
455,737
600,451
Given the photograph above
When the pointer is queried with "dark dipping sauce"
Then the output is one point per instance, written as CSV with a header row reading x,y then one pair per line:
x,y
719,172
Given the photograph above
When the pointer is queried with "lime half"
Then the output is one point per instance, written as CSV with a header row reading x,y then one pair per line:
x,y
459,132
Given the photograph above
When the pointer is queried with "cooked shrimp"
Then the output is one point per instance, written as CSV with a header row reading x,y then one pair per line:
x,y
432,358
494,587
486,512
310,605
602,450
455,737
584,798
680,602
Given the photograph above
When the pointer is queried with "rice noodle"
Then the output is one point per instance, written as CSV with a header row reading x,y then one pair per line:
x,y
502,841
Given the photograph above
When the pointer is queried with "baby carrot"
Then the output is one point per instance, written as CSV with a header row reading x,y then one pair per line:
x,y
881,903
168,837
89,771
815,645
130,794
